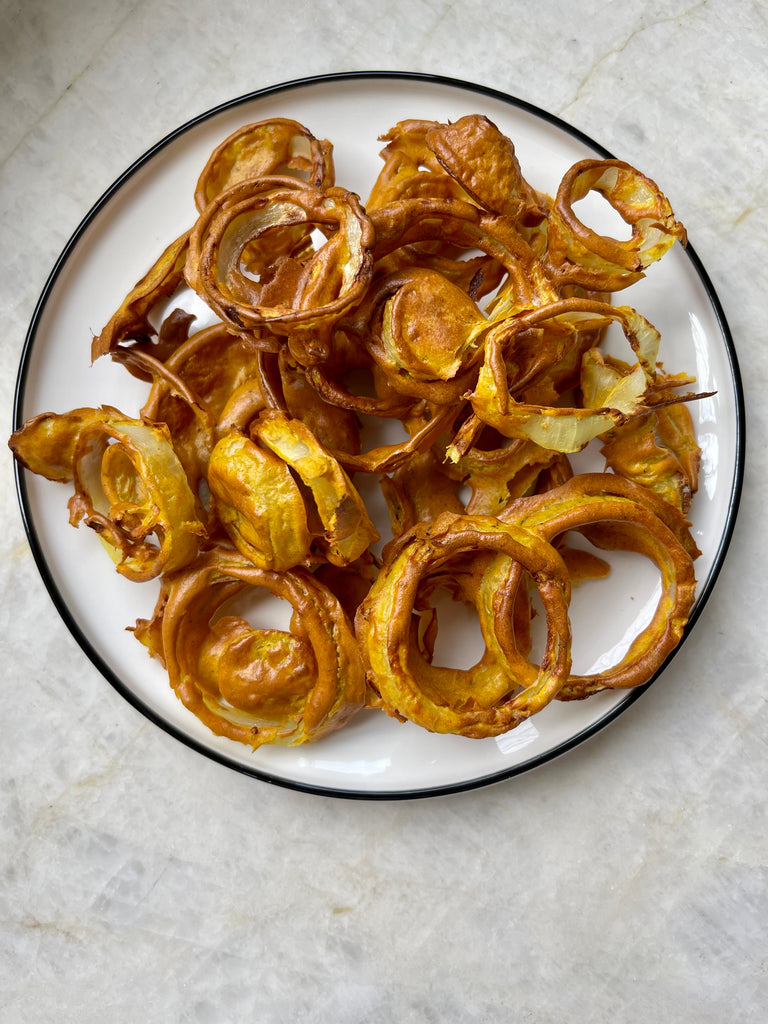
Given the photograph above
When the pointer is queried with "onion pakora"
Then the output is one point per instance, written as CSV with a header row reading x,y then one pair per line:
x,y
455,305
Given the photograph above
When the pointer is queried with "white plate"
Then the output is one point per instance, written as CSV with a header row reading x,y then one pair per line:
x,y
151,204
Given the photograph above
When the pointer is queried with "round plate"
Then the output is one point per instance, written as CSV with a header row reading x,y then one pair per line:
x,y
151,204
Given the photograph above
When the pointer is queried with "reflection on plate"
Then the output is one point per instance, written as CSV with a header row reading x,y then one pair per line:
x,y
151,204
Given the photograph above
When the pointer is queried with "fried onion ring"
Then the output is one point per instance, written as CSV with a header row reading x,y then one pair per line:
x,y
276,146
258,503
256,686
578,254
385,627
131,489
315,290
478,156
131,320
617,514
347,528
610,399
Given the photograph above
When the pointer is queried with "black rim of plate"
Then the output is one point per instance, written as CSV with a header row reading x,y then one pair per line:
x,y
83,641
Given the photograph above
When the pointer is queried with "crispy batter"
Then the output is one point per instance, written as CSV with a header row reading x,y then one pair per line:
x,y
275,146
256,685
494,695
458,304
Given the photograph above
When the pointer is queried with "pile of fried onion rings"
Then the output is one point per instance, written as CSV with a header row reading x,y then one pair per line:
x,y
444,338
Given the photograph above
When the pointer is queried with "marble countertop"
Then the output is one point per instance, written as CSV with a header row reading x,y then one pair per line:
x,y
626,880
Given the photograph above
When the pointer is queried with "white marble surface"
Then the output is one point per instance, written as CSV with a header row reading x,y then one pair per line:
x,y
626,881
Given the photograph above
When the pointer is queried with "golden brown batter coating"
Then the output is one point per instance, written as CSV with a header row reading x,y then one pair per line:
x,y
457,304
